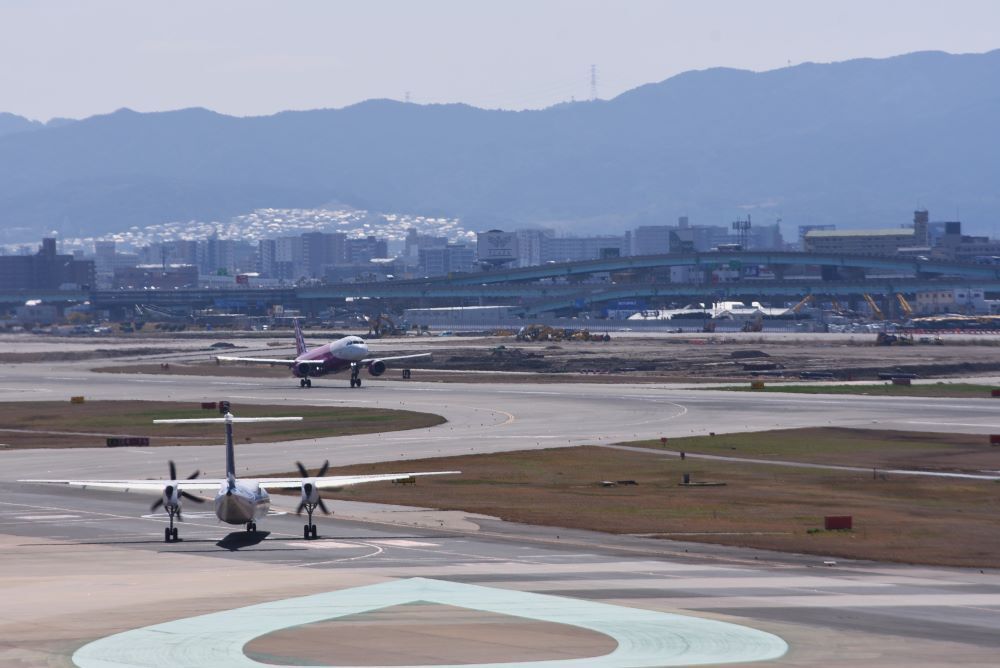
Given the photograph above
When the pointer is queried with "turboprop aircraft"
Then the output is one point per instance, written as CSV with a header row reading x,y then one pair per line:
x,y
237,501
350,352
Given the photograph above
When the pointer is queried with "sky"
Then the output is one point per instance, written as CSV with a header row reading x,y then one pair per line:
x,y
77,58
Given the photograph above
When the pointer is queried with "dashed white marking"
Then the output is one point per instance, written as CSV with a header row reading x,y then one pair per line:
x,y
47,517
399,542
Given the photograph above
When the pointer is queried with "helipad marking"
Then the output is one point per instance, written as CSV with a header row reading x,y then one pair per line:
x,y
646,638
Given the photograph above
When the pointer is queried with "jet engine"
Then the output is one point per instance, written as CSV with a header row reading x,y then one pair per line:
x,y
376,368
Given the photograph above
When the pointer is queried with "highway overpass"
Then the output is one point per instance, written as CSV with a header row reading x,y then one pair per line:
x,y
554,287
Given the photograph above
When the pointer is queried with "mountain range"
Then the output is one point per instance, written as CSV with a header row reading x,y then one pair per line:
x,y
859,143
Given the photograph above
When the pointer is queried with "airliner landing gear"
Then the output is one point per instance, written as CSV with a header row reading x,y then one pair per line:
x,y
251,527
306,382
309,530
355,377
170,532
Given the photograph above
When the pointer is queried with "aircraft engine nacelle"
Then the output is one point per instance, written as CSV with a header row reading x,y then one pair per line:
x,y
171,497
376,368
309,492
304,369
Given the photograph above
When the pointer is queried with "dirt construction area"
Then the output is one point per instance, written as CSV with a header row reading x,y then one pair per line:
x,y
625,358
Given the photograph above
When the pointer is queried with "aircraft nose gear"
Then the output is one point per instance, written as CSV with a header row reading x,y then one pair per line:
x,y
311,500
171,502
355,377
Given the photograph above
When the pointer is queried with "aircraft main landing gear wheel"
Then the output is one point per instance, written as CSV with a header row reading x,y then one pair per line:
x,y
309,382
251,527
302,382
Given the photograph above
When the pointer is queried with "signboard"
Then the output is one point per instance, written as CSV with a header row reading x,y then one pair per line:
x,y
496,246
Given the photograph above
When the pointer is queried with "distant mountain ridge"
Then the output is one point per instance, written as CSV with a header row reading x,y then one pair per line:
x,y
857,143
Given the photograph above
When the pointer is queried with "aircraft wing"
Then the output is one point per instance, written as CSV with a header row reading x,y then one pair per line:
x,y
196,485
369,360
337,481
265,360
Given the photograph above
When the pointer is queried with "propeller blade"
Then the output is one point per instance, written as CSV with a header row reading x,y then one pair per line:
x,y
323,469
302,504
156,504
192,497
302,470
173,470
322,506
194,475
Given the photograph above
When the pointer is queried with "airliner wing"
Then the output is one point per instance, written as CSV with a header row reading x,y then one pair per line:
x,y
265,360
196,485
370,360
337,481
210,484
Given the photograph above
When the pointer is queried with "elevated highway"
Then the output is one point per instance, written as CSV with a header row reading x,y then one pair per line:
x,y
552,287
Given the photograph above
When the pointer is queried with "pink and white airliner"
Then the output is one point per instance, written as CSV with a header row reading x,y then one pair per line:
x,y
350,352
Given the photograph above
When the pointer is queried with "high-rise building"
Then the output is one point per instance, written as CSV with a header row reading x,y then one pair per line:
x,y
45,270
362,251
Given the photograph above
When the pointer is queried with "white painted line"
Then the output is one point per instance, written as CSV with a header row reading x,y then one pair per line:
x,y
645,638
326,545
394,542
47,517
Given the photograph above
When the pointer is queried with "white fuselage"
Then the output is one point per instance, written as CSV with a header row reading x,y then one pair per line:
x,y
241,502
335,356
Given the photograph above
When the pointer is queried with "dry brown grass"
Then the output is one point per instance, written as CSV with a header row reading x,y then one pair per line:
x,y
849,447
89,424
905,519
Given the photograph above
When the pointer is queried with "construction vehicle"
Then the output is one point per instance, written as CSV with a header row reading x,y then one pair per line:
x,y
887,339
382,325
808,299
877,313
904,304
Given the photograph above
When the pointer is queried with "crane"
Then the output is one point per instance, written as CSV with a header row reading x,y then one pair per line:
x,y
876,311
802,303
904,304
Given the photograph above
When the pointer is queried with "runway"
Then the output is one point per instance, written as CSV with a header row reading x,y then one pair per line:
x,y
481,418
84,565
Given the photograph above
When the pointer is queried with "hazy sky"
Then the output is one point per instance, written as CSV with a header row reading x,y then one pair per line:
x,y
81,57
